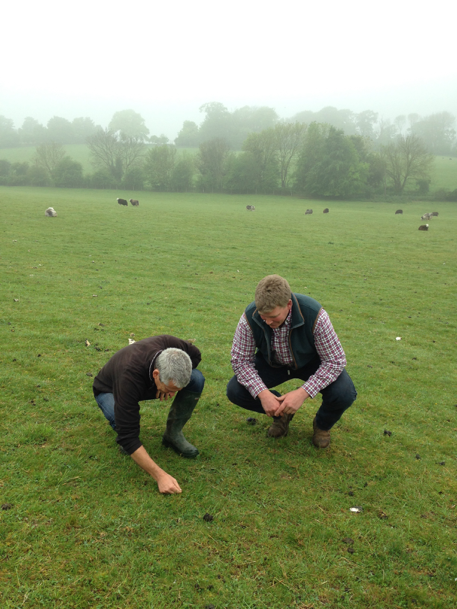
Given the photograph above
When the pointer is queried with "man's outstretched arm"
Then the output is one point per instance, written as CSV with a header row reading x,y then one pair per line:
x,y
166,483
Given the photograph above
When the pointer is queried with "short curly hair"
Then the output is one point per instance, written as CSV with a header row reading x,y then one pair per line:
x,y
271,292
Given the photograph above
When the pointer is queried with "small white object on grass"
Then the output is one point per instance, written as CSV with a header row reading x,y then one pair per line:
x,y
87,343
131,341
356,509
398,338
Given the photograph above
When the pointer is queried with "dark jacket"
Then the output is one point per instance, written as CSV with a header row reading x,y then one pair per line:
x,y
305,311
128,376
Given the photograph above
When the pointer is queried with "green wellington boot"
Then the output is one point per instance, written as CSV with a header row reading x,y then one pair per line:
x,y
180,412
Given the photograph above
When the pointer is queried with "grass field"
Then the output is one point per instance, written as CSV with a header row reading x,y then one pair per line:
x,y
84,527
444,173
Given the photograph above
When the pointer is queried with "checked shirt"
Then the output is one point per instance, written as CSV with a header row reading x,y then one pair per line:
x,y
328,347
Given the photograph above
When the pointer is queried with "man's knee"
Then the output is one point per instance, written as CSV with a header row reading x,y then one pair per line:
x,y
342,391
232,389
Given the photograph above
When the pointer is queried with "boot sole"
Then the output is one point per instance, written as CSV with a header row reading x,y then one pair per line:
x,y
170,444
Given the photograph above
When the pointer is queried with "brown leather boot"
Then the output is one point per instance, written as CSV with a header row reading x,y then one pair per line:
x,y
280,427
321,438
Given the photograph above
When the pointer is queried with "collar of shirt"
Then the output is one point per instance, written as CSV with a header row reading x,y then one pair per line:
x,y
285,325
151,367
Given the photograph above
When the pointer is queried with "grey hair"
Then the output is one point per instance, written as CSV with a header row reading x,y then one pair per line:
x,y
174,365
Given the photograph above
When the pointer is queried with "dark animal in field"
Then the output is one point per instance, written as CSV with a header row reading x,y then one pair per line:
x,y
326,210
122,201
308,211
134,202
250,207
50,212
426,216
423,227
399,211
434,213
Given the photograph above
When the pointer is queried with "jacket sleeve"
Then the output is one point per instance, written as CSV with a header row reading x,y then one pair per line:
x,y
331,354
127,394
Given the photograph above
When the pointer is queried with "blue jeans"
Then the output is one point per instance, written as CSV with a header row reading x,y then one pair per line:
x,y
336,398
105,401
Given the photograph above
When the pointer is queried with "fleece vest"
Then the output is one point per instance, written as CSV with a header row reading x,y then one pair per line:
x,y
305,311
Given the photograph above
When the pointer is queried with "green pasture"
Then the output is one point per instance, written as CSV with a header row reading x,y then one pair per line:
x,y
78,152
84,527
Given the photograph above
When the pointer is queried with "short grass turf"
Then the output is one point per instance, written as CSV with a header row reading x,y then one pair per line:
x,y
83,526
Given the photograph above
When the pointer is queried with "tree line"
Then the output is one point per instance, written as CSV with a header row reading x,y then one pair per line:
x,y
312,159
437,131
315,160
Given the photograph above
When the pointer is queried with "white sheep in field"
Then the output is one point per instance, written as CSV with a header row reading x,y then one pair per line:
x,y
50,212
250,207
308,211
426,216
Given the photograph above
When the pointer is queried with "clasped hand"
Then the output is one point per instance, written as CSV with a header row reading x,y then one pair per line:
x,y
288,403
164,395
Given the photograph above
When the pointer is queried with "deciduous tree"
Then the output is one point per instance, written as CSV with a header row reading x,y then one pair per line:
x,y
83,127
68,173
158,167
437,132
289,139
8,134
48,156
32,133
189,136
212,164
406,159
129,125
329,165
264,150
113,154
59,130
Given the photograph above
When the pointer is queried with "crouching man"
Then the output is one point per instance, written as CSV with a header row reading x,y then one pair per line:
x,y
159,367
283,336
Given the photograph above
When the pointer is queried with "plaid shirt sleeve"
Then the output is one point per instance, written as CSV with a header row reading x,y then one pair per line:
x,y
330,351
243,358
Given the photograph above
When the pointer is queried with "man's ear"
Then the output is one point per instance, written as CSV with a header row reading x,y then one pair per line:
x,y
156,374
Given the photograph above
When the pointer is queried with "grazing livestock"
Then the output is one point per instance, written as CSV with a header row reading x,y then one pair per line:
x,y
326,210
250,207
50,212
122,201
134,202
399,211
434,213
426,216
308,211
423,227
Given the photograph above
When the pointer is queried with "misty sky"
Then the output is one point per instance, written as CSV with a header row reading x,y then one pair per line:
x,y
165,59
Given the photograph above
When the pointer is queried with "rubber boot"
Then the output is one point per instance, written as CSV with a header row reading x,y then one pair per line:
x,y
180,412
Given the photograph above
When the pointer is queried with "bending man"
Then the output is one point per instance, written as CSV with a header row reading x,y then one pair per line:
x,y
283,336
159,367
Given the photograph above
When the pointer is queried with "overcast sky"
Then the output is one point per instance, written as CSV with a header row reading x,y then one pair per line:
x,y
166,59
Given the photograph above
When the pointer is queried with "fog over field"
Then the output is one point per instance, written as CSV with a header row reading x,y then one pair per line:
x,y
165,61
